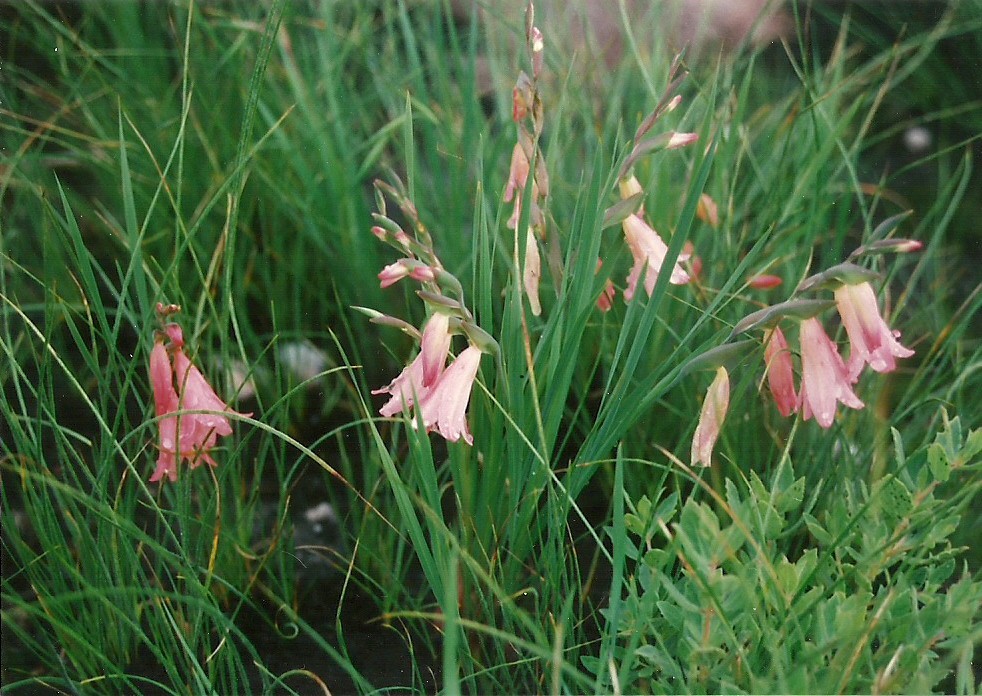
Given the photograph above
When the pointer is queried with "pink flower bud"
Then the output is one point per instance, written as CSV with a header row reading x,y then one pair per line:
x,y
764,281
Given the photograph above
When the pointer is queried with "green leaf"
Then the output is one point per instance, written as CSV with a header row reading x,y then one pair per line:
x,y
937,461
895,498
972,446
817,530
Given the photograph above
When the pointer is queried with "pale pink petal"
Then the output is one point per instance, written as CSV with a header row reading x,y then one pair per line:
x,y
824,380
647,247
197,395
532,272
711,419
444,408
435,346
165,402
871,340
404,388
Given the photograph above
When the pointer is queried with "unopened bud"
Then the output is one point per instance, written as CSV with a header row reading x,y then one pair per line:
x,y
889,246
764,281
677,140
479,338
630,187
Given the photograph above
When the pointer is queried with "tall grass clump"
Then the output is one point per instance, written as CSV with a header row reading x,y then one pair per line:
x,y
630,378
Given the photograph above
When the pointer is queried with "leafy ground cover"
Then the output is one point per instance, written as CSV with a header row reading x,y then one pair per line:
x,y
358,346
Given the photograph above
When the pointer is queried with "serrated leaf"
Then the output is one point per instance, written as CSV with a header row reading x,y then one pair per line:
x,y
817,530
972,446
792,497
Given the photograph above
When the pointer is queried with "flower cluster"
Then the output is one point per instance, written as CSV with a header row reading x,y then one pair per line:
x,y
827,379
439,393
526,161
190,414
647,247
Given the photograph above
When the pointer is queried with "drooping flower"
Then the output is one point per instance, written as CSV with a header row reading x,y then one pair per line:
x,y
711,419
419,377
824,379
404,268
870,339
780,372
179,386
649,250
444,408
518,174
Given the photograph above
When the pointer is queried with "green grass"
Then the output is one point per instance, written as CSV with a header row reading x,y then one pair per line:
x,y
223,158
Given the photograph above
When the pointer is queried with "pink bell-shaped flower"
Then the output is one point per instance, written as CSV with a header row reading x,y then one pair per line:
x,y
444,407
825,380
780,372
416,380
648,249
870,339
179,386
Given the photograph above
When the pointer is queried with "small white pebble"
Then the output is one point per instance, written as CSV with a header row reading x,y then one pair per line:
x,y
918,139
303,359
322,512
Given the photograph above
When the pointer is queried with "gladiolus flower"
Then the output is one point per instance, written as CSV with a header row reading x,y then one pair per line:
x,y
711,418
780,372
444,407
871,340
825,379
179,386
419,377
404,268
606,300
648,249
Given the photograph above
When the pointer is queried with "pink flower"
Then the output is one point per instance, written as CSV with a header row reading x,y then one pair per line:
x,y
517,177
780,372
871,340
711,418
179,386
403,268
648,249
416,380
824,378
444,406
